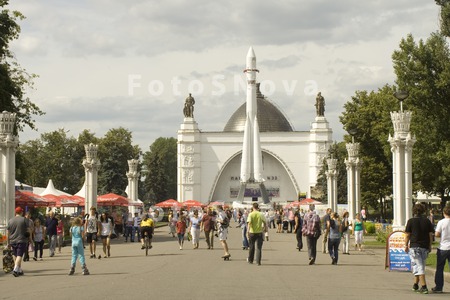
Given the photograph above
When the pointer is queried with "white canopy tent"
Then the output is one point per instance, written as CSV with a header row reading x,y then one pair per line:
x,y
425,197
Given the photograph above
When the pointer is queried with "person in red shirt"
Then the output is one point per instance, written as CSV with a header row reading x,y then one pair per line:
x,y
181,230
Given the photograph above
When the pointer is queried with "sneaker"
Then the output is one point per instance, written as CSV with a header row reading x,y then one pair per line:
x,y
436,290
99,257
312,261
20,273
415,287
72,271
142,247
422,290
35,258
15,274
85,272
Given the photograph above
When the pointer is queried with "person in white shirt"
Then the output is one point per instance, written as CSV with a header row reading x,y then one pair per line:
x,y
443,252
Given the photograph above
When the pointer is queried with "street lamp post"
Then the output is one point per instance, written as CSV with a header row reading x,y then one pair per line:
x,y
401,147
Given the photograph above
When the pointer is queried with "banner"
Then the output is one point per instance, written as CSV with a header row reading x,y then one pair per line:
x,y
396,257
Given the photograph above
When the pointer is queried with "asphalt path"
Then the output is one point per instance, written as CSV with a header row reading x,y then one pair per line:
x,y
170,273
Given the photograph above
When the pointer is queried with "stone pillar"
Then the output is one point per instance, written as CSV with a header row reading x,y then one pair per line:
x,y
188,166
8,146
401,147
133,177
332,184
353,165
91,165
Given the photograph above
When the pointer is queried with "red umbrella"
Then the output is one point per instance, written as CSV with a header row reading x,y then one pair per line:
x,y
63,200
27,198
169,203
192,203
308,201
215,203
112,199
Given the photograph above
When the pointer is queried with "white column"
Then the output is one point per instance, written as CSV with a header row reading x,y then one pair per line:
x,y
331,184
133,176
8,146
401,147
91,165
353,194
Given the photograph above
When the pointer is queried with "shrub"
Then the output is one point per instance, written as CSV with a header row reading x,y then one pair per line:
x,y
383,234
370,227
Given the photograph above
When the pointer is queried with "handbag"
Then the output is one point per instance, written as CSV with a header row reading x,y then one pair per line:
x,y
30,247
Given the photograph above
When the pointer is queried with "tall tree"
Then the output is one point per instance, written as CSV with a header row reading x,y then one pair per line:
x,y
161,170
115,149
367,114
423,69
14,80
445,16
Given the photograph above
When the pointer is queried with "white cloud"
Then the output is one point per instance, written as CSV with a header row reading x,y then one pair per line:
x,y
84,52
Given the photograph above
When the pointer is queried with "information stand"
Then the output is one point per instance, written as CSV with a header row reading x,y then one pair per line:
x,y
396,257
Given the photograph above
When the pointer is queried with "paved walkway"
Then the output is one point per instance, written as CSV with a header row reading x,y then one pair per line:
x,y
169,273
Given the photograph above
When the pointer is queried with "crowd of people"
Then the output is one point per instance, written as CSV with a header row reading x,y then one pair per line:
x,y
25,235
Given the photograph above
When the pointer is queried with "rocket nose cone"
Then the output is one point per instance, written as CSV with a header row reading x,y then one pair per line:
x,y
251,53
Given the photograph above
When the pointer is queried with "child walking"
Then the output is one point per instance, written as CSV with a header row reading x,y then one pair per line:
x,y
77,234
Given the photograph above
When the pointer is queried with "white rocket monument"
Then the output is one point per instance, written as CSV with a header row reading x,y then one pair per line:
x,y
251,164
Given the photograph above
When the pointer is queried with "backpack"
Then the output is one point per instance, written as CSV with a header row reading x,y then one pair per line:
x,y
225,222
343,226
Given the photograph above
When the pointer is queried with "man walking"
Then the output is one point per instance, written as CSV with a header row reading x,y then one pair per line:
x,y
311,230
326,221
257,225
419,235
443,252
51,224
17,236
208,227
223,222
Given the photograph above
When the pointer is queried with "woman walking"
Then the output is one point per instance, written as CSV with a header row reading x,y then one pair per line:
x,y
105,234
298,229
39,231
77,234
358,231
195,222
59,233
181,229
334,237
345,233
242,219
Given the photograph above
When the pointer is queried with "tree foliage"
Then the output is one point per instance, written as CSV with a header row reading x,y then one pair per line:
x,y
423,69
14,80
161,175
445,16
115,149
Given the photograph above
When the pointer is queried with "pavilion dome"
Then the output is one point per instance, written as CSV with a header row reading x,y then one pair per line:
x,y
270,118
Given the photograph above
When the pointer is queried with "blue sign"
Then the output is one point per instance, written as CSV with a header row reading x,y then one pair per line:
x,y
398,259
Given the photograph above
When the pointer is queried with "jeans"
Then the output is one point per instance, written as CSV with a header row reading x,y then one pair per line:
x,y
311,242
441,256
298,235
129,233
244,237
136,230
255,238
38,246
52,244
333,248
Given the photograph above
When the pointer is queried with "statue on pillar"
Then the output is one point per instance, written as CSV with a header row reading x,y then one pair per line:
x,y
320,105
188,109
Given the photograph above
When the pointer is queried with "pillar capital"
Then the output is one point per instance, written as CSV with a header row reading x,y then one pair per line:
x,y
352,150
133,169
401,121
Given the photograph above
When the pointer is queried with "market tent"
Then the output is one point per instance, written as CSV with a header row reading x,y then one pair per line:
x,y
112,199
169,203
51,190
193,203
63,200
308,201
135,203
27,198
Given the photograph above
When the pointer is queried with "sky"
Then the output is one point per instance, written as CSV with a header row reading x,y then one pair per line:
x,y
105,64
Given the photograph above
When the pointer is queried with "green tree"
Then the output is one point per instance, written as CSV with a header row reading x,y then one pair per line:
x,y
368,115
53,156
14,80
445,16
161,170
423,69
115,149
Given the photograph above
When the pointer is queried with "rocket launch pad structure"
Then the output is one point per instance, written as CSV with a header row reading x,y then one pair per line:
x,y
251,163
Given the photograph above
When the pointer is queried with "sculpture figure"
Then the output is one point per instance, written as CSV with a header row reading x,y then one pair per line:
x,y
320,105
188,109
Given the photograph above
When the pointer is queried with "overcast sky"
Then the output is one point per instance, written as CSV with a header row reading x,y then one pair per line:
x,y
105,64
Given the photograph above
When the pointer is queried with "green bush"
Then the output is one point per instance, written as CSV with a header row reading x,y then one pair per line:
x,y
370,227
382,234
